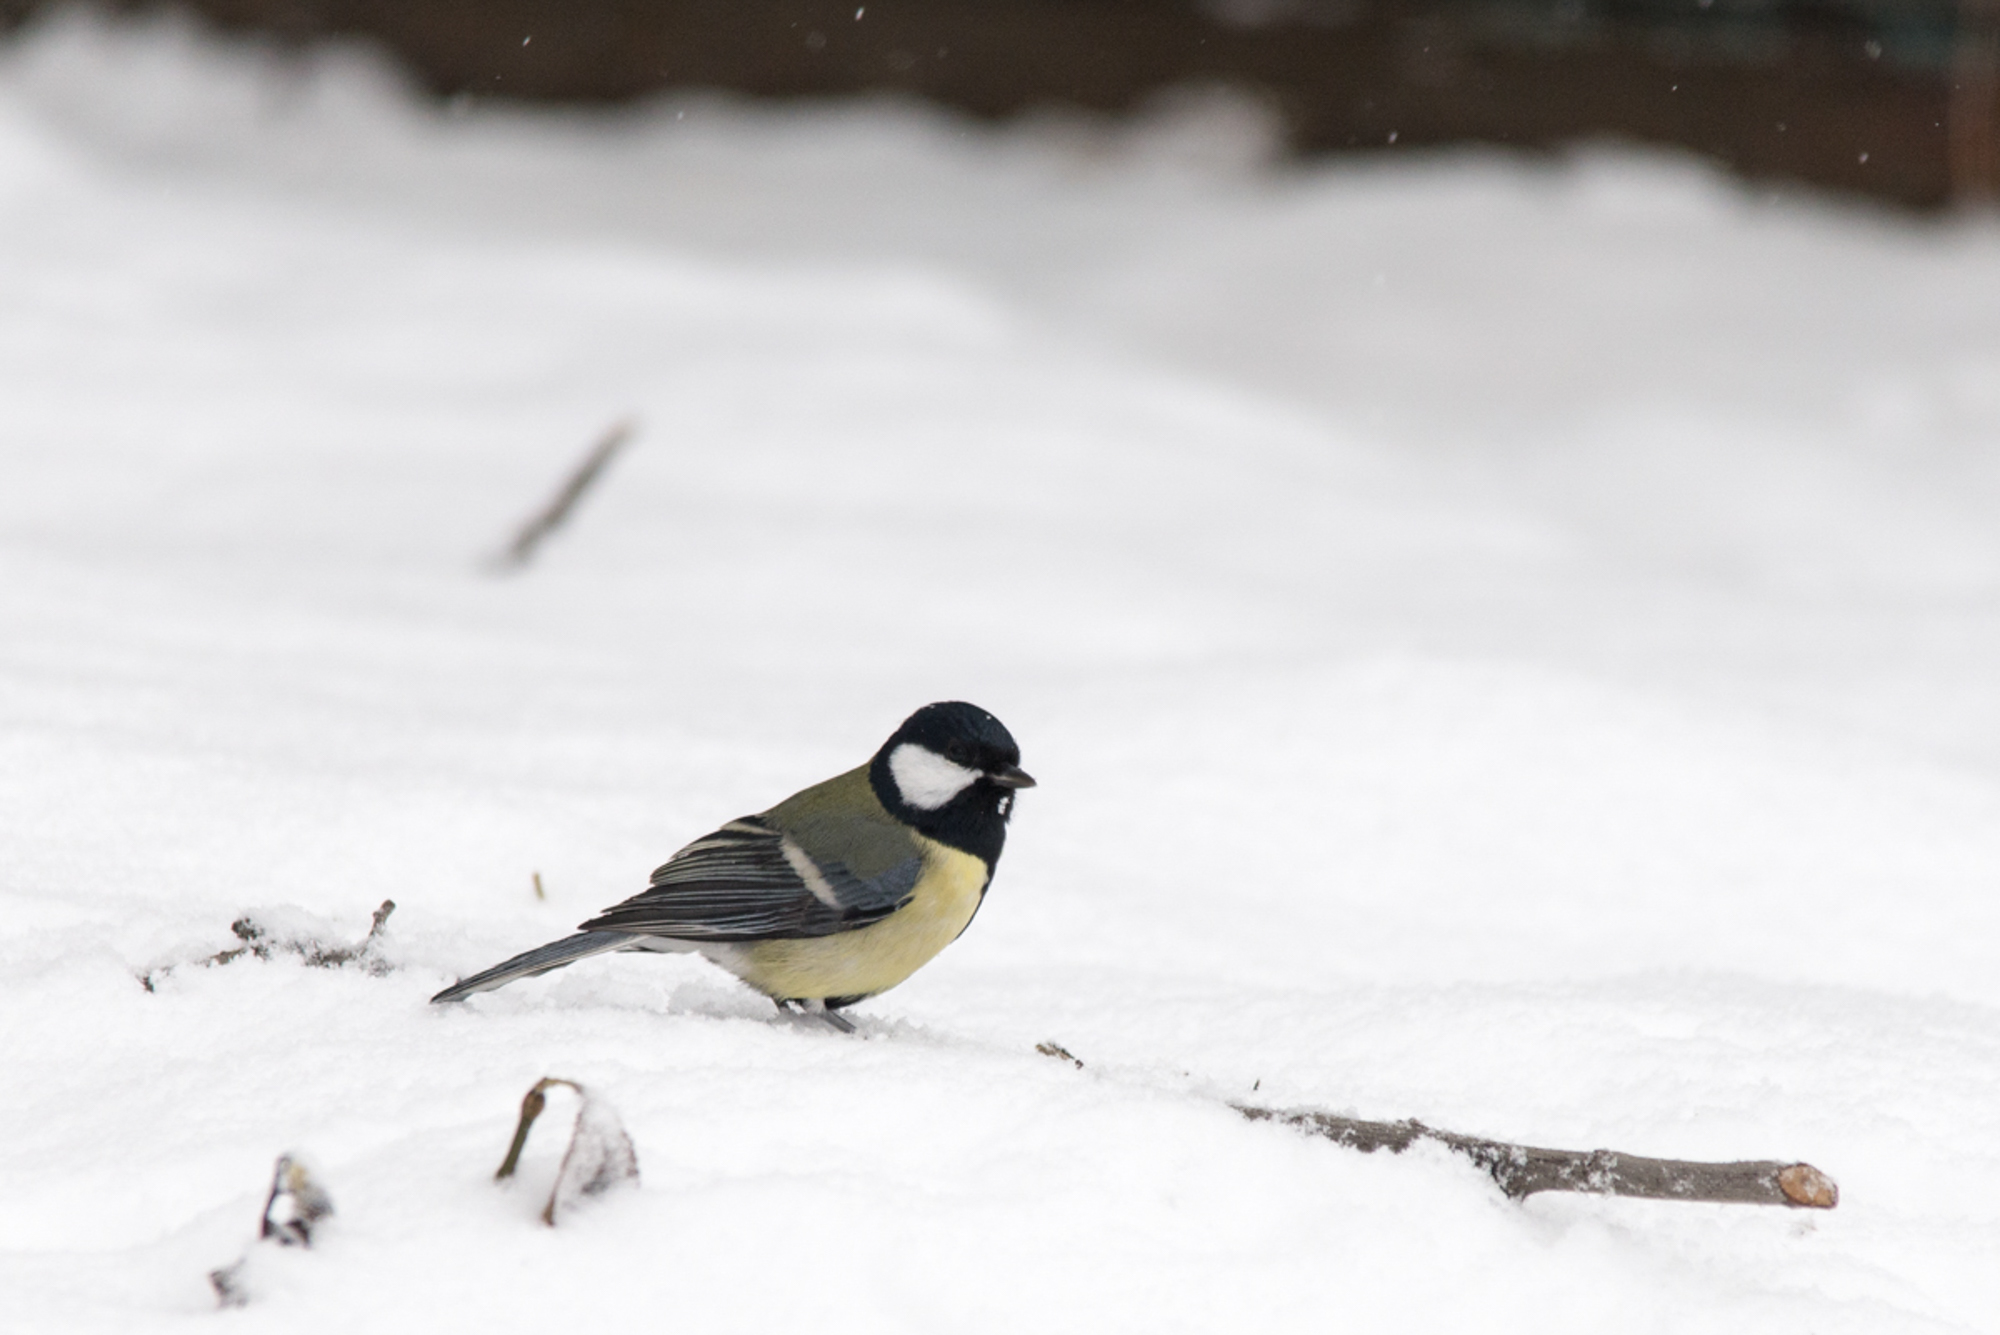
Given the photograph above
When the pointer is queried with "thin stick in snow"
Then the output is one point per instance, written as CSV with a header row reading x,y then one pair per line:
x,y
1523,1170
551,516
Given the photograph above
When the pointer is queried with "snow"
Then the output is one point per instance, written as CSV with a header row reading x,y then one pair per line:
x,y
1506,642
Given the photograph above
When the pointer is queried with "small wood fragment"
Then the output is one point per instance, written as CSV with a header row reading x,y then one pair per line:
x,y
551,516
1060,1053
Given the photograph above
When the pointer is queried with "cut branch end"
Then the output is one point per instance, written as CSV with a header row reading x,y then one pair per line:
x,y
1808,1188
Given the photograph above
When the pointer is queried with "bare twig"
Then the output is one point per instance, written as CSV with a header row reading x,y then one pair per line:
x,y
551,516
1523,1170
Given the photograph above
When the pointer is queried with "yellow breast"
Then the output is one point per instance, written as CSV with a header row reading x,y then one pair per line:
x,y
881,955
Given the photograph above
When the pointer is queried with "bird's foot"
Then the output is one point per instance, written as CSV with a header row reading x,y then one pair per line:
x,y
816,1009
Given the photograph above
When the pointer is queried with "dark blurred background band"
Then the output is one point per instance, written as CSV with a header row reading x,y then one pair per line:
x,y
1895,99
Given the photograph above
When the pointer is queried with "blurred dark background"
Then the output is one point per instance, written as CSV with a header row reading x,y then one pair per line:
x,y
1894,99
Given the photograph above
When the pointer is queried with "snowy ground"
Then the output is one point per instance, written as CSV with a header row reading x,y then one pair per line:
x,y
1510,644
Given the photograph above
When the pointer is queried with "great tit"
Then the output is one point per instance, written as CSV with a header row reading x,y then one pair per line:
x,y
838,892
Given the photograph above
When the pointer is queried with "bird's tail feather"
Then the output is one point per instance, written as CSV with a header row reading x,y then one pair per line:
x,y
539,960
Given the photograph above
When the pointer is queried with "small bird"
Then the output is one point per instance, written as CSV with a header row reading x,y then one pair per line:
x,y
838,892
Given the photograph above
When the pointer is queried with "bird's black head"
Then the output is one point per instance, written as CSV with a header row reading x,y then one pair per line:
x,y
951,771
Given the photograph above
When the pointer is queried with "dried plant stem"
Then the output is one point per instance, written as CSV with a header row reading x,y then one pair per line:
x,y
532,1104
600,1154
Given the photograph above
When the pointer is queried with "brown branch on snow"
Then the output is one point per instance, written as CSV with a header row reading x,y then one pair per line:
x,y
1523,1170
551,516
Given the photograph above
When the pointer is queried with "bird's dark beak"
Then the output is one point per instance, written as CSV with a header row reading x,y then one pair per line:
x,y
1011,776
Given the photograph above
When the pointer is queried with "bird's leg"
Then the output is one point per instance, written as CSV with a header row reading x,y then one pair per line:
x,y
817,1009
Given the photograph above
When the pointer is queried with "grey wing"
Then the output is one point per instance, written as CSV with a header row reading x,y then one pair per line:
x,y
749,882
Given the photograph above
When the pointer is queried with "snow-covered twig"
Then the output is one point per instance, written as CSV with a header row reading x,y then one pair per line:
x,y
263,941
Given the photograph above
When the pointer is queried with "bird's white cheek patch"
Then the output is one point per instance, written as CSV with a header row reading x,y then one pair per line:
x,y
925,779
